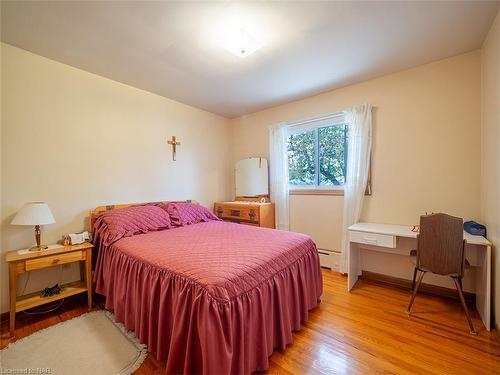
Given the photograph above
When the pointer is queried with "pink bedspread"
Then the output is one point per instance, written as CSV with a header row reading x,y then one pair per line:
x,y
211,298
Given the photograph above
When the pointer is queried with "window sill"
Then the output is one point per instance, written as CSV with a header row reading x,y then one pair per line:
x,y
339,192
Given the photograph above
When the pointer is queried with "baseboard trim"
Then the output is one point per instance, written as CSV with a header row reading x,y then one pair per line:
x,y
424,288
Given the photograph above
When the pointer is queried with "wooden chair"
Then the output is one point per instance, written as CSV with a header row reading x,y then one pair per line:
x,y
441,250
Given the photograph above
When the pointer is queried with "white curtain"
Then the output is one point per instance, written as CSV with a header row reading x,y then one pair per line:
x,y
359,120
279,173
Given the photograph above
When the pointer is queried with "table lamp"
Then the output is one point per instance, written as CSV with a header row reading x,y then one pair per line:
x,y
34,213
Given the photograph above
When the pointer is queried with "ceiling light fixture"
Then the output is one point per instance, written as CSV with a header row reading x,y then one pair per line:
x,y
240,43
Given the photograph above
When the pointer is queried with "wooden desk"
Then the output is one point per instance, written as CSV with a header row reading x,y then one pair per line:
x,y
399,239
55,256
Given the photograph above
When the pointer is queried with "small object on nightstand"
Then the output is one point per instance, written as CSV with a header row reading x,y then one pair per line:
x,y
78,238
35,213
66,240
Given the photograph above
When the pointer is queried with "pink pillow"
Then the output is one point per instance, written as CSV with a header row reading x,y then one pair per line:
x,y
112,225
183,213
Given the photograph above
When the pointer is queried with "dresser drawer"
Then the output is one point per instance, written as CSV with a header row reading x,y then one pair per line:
x,y
54,260
251,214
375,239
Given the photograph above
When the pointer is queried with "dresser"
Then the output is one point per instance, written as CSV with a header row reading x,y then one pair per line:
x,y
246,212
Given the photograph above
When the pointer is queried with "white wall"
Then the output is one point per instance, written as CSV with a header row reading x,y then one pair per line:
x,y
77,140
490,146
425,151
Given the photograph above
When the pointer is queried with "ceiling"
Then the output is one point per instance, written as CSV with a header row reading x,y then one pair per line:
x,y
174,48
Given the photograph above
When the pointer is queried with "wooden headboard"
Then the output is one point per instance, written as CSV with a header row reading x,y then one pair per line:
x,y
108,207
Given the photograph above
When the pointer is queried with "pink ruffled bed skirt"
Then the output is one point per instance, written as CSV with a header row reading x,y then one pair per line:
x,y
192,332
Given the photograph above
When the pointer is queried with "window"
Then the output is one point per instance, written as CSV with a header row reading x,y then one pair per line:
x,y
317,154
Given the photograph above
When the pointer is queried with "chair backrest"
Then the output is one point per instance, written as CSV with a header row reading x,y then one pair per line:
x,y
441,244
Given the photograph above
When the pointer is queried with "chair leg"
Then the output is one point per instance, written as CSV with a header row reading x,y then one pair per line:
x,y
458,284
414,278
415,290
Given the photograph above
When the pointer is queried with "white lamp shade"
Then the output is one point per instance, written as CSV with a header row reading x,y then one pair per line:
x,y
34,213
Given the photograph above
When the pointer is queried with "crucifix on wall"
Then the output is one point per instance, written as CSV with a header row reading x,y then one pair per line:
x,y
174,144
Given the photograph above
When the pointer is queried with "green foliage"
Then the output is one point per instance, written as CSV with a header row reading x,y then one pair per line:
x,y
301,158
332,154
324,148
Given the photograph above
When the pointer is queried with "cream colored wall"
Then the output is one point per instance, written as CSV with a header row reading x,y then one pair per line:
x,y
425,151
77,140
490,171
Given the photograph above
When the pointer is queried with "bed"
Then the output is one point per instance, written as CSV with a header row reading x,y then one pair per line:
x,y
212,297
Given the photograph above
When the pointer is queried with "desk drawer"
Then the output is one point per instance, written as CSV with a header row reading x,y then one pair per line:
x,y
374,239
54,260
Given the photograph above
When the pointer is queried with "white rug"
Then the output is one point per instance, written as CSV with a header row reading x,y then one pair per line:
x,y
89,344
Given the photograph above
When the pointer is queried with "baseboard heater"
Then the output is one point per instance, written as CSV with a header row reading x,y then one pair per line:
x,y
329,259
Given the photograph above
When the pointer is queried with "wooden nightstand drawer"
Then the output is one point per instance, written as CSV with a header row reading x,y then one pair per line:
x,y
54,260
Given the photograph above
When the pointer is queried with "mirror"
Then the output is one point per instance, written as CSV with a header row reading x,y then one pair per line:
x,y
251,177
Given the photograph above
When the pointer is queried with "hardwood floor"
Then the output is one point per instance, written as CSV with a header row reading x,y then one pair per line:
x,y
363,332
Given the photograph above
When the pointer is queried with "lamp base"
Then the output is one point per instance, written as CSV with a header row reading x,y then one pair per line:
x,y
38,236
38,248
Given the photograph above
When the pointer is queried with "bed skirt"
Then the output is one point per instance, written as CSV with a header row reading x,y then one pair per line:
x,y
194,333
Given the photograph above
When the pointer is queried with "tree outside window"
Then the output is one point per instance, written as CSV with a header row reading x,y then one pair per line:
x,y
317,157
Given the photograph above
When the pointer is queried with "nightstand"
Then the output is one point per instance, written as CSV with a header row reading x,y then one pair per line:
x,y
35,260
